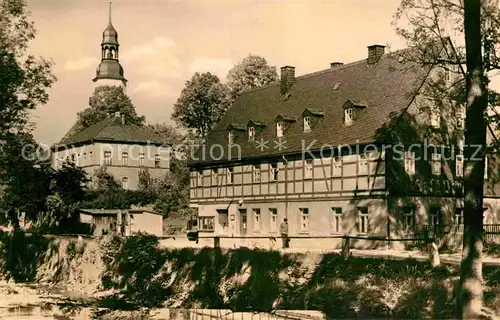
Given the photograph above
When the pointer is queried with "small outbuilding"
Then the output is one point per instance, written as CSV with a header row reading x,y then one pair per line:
x,y
123,222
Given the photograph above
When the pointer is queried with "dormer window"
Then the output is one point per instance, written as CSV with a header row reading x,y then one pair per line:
x,y
279,129
230,137
352,110
307,124
348,116
251,133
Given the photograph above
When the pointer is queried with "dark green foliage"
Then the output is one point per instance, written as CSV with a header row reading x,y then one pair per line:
x,y
342,288
20,254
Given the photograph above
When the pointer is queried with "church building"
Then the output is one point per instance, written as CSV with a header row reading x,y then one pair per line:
x,y
123,148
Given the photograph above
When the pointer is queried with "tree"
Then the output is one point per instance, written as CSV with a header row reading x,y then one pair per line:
x,y
202,103
24,80
251,72
169,133
106,101
478,23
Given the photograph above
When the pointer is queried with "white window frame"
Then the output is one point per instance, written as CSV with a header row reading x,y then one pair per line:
x,y
125,183
251,133
458,216
348,116
336,220
435,118
459,165
209,222
308,169
409,219
279,129
273,172
230,137
434,216
256,173
363,221
157,161
362,164
257,219
215,177
304,219
436,163
230,175
273,219
141,159
124,159
409,162
336,167
199,178
107,158
307,124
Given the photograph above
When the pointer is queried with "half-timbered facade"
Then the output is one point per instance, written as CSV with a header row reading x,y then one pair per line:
x,y
356,149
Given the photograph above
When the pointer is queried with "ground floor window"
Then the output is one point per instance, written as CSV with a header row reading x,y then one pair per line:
x,y
363,220
304,219
256,219
206,223
458,218
409,217
273,216
336,221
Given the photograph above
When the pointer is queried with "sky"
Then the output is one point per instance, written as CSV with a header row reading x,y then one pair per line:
x,y
162,43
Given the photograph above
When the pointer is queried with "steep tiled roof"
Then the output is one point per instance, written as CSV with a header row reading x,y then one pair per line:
x,y
112,130
382,90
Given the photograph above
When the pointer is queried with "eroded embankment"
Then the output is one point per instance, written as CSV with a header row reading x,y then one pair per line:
x,y
135,272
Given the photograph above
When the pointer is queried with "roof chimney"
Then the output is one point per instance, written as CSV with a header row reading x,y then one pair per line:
x,y
375,52
334,65
123,118
287,78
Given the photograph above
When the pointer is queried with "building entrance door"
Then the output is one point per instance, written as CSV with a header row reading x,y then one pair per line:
x,y
243,222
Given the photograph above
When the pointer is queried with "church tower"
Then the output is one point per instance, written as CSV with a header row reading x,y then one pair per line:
x,y
110,72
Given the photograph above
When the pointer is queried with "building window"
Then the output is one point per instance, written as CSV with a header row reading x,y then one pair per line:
x,y
348,116
230,175
199,176
436,164
362,164
125,183
256,173
304,219
307,124
308,169
230,137
458,218
273,216
273,172
461,117
362,219
73,158
251,133
124,159
337,167
256,219
107,157
336,220
409,217
410,162
157,160
435,118
215,176
459,165
206,223
91,158
279,129
141,159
